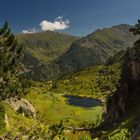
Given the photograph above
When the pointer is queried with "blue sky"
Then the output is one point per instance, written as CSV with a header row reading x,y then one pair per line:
x,y
80,17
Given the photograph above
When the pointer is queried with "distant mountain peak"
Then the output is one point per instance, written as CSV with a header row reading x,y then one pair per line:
x,y
120,26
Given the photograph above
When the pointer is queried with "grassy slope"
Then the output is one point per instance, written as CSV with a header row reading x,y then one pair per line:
x,y
45,46
98,82
95,48
128,122
55,108
41,49
49,54
16,121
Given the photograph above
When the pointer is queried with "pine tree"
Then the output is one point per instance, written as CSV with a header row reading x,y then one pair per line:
x,y
135,52
11,82
136,30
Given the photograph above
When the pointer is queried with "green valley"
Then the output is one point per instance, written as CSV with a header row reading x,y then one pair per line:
x,y
50,55
55,86
41,49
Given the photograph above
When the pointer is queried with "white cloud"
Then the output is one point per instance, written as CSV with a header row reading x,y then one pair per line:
x,y
58,24
29,31
59,18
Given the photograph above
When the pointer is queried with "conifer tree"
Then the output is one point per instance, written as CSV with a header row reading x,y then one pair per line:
x,y
11,81
135,52
136,30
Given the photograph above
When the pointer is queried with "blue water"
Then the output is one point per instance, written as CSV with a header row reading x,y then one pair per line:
x,y
82,101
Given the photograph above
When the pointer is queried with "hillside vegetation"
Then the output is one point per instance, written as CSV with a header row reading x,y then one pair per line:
x,y
49,55
95,48
121,119
79,88
98,82
41,49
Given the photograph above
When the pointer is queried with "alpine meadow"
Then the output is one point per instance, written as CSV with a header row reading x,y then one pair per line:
x,y
70,70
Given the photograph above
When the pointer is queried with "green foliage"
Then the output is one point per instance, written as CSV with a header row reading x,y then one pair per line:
x,y
86,137
98,81
50,55
124,128
57,130
134,53
136,30
117,58
54,108
108,79
41,49
2,117
45,46
94,49
11,81
127,93
40,132
124,134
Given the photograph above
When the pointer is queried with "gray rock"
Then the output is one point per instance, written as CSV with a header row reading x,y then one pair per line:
x,y
23,105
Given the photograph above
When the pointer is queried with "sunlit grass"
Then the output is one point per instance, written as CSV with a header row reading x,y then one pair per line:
x,y
55,108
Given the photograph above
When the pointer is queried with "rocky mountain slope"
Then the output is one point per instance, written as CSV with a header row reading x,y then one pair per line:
x,y
42,49
121,118
49,55
127,96
96,48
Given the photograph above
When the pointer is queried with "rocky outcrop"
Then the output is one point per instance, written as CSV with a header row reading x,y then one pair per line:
x,y
22,106
135,69
128,94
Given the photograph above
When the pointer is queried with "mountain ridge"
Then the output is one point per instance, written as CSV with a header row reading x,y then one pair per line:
x,y
42,48
95,48
78,53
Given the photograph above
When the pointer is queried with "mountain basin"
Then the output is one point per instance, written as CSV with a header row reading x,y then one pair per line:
x,y
82,101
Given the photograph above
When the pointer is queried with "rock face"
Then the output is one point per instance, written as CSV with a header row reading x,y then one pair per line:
x,y
95,48
128,93
135,69
22,106
49,55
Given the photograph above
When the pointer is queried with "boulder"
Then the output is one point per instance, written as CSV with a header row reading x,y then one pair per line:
x,y
22,106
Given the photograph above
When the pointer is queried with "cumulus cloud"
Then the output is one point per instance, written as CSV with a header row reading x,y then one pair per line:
x,y
29,31
58,24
